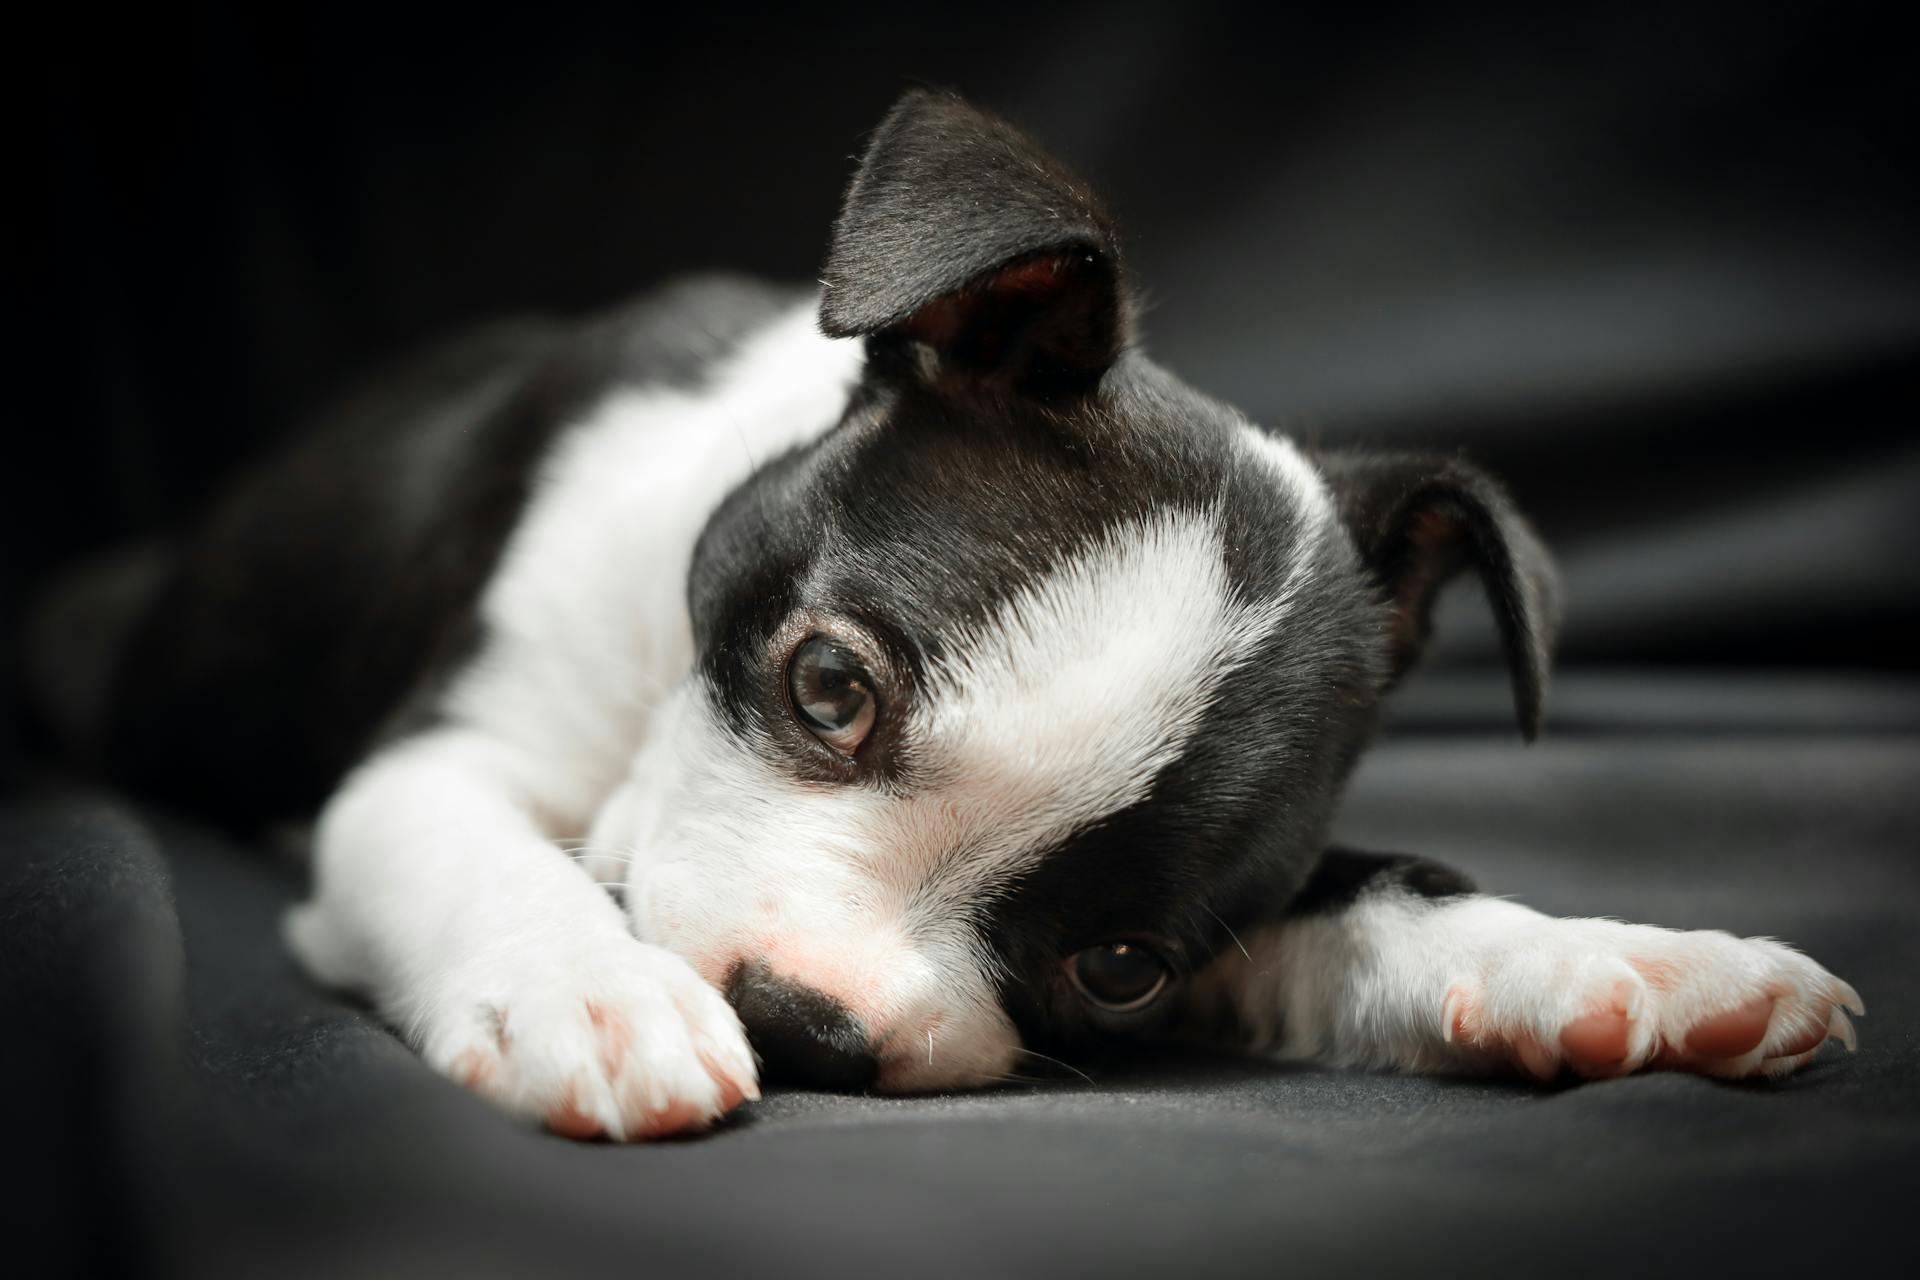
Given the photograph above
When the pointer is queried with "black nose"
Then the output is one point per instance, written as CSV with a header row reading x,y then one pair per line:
x,y
801,1035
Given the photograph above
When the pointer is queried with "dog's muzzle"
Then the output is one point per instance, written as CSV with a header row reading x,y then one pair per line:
x,y
802,1036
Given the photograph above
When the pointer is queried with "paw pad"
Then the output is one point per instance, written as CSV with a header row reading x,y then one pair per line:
x,y
1732,1034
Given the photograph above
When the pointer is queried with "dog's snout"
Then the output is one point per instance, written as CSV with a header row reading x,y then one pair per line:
x,y
802,1036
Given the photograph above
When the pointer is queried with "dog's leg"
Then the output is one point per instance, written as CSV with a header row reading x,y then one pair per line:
x,y
1397,962
439,894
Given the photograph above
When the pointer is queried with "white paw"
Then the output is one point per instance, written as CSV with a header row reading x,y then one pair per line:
x,y
618,1038
1604,998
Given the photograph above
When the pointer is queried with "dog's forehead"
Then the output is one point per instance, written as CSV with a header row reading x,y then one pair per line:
x,y
938,514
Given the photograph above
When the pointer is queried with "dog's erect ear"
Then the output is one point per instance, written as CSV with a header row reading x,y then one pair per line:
x,y
964,245
1418,520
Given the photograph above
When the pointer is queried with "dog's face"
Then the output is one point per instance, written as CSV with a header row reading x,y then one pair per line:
x,y
1020,688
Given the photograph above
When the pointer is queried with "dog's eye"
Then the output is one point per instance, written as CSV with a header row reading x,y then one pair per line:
x,y
832,694
1119,977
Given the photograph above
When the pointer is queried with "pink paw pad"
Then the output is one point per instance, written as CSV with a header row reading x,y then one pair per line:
x,y
1600,1042
567,1120
1732,1034
676,1117
474,1068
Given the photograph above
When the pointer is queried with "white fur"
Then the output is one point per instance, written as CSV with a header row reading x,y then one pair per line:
x,y
440,897
1405,982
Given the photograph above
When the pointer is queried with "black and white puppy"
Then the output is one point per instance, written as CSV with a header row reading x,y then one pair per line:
x,y
888,681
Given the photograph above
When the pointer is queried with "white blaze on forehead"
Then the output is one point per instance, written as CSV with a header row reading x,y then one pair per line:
x,y
1065,706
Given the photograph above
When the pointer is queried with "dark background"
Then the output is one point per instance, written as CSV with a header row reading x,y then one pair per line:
x,y
1659,269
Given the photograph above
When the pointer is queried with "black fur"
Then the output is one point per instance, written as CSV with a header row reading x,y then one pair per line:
x,y
1345,874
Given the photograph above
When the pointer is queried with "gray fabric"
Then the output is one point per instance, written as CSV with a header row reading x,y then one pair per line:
x,y
197,1108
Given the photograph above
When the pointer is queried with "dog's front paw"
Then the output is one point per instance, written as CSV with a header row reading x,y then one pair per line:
x,y
1604,999
618,1039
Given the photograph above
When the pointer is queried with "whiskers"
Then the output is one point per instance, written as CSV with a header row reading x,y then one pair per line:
x,y
592,856
1064,1066
1230,933
587,849
1014,1077
607,865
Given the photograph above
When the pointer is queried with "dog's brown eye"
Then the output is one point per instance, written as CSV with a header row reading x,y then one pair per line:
x,y
832,694
1119,977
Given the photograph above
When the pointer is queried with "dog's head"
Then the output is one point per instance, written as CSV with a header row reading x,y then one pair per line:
x,y
1019,689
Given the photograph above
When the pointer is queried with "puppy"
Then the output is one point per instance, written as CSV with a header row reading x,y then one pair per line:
x,y
871,686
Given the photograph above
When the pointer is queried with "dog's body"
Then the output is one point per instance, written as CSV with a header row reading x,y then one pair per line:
x,y
930,673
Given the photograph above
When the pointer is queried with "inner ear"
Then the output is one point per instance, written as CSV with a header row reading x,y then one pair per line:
x,y
1418,521
1431,550
1045,323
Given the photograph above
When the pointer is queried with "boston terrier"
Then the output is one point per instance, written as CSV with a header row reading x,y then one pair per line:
x,y
876,686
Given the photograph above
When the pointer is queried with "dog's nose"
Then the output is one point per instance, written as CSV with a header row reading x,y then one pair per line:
x,y
802,1036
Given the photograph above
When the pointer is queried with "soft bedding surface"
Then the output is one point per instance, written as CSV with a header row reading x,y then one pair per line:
x,y
186,1102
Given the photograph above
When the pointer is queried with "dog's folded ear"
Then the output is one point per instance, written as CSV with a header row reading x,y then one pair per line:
x,y
1418,520
967,249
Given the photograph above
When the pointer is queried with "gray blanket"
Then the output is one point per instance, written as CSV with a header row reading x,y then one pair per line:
x,y
190,1104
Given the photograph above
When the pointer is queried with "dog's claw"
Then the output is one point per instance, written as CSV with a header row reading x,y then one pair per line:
x,y
1451,1011
1636,999
1849,998
1541,1063
1842,1030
